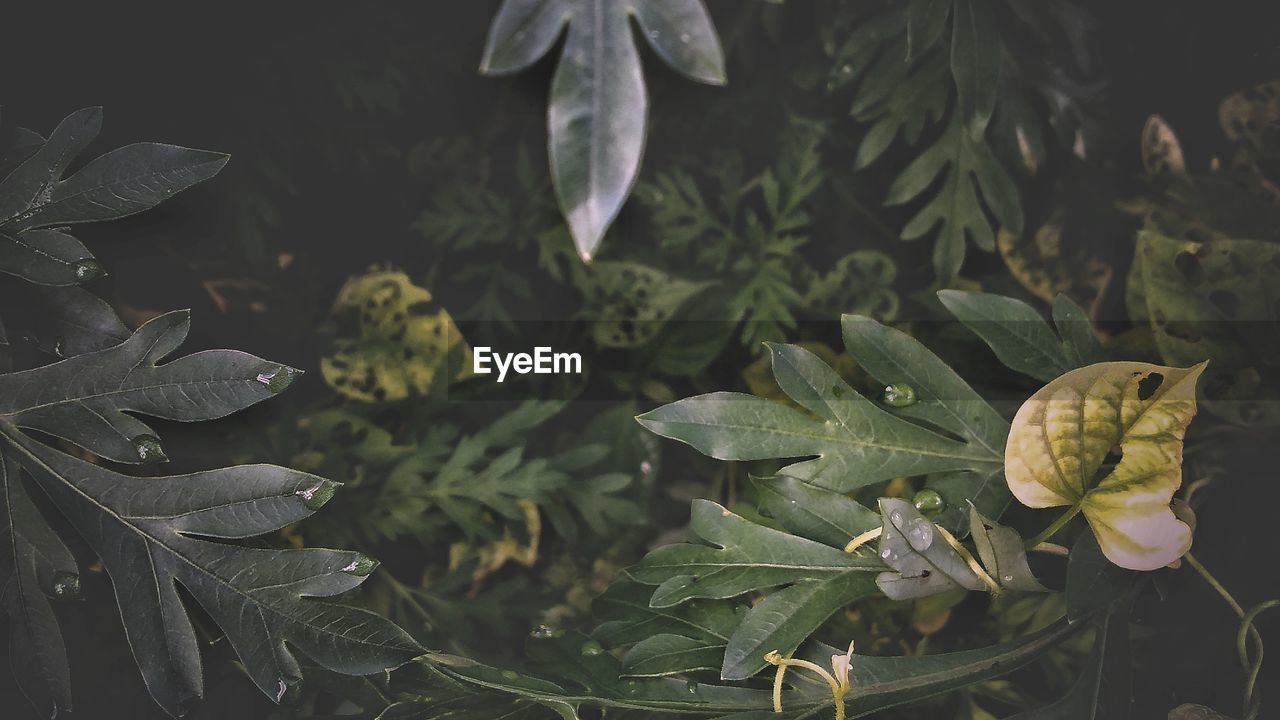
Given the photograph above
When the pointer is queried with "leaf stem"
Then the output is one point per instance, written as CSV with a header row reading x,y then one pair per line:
x,y
1054,527
1252,667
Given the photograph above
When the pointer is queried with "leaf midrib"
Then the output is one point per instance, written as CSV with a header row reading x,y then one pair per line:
x,y
7,431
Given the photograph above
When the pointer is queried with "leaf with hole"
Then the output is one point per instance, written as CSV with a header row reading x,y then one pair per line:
x,y
1062,436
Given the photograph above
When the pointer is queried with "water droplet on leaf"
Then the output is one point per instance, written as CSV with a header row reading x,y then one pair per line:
x,y
542,632
1008,578
279,378
899,395
928,502
149,449
510,675
921,534
895,517
692,687
87,269
317,495
886,553
66,586
591,648
361,566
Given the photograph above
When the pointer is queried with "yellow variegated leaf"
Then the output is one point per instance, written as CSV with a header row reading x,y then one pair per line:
x,y
1062,436
402,341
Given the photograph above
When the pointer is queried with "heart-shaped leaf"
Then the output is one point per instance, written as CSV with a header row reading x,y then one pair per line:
x,y
1061,438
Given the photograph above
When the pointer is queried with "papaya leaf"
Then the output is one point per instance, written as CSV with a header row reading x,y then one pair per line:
x,y
786,618
1002,553
1020,337
923,563
814,513
971,176
34,197
598,108
667,654
857,442
740,556
1062,435
153,527
944,400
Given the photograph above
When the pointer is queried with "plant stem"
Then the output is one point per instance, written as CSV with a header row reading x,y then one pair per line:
x,y
1252,667
1053,528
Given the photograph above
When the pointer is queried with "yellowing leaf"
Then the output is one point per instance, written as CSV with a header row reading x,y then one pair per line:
x,y
402,342
1061,439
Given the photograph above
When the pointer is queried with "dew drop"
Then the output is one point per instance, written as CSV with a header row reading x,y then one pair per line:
x,y
149,449
591,648
655,34
66,586
692,687
278,378
646,467
317,495
899,395
510,675
361,566
1008,578
86,269
542,632
895,517
885,553
920,535
684,37
928,502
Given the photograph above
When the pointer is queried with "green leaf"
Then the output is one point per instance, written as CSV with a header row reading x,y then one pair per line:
x,y
739,557
944,400
87,399
976,52
1003,554
881,682
856,441
788,617
1014,331
971,176
1063,433
1093,581
34,567
923,563
34,197
629,618
598,108
814,513
665,655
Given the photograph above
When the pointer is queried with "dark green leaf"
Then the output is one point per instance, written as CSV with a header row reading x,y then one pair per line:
x,y
86,399
1003,555
976,52
148,533
740,557
1104,689
857,441
787,618
1093,581
814,513
1014,330
665,655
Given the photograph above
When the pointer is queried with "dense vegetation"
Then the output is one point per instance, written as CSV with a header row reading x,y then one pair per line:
x,y
929,365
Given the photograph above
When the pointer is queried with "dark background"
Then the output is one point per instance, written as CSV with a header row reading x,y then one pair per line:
x,y
257,81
